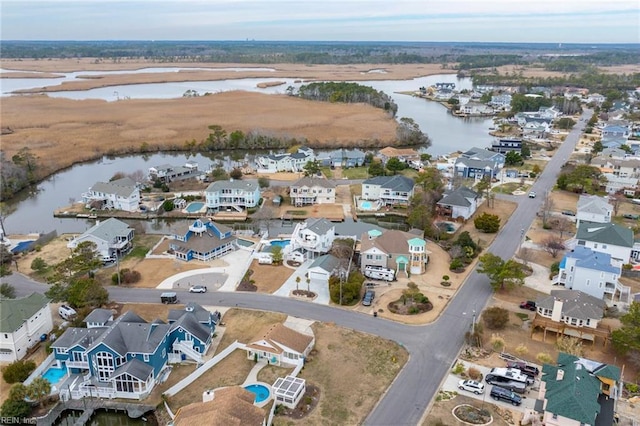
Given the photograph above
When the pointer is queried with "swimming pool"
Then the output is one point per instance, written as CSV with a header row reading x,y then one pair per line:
x,y
245,243
54,374
194,207
262,392
366,205
280,243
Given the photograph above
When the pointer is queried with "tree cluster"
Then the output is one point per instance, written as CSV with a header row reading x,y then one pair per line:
x,y
502,274
486,222
351,288
17,406
348,93
462,252
18,173
582,178
626,339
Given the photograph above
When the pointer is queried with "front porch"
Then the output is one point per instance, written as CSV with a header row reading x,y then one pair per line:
x,y
563,329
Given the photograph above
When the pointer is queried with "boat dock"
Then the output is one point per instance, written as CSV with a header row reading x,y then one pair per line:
x,y
89,406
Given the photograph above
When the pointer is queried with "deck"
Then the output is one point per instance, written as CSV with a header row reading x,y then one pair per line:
x,y
89,406
562,328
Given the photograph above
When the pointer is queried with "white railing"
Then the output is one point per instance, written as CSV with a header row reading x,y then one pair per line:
x,y
78,364
188,350
41,368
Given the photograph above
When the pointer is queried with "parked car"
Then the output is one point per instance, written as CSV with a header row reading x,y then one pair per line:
x,y
529,370
568,213
529,304
471,386
503,394
169,298
631,216
198,289
371,284
532,194
369,295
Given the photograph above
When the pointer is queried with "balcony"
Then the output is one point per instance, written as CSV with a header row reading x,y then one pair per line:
x,y
84,365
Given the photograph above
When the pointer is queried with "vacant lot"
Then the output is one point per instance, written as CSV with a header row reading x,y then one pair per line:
x,y
269,278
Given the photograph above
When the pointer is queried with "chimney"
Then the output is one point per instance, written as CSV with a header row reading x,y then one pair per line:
x,y
556,314
559,375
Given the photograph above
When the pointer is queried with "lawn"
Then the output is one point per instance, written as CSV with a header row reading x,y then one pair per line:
x,y
506,188
355,173
327,172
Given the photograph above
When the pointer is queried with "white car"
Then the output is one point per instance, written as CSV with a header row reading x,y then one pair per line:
x,y
198,289
532,194
471,386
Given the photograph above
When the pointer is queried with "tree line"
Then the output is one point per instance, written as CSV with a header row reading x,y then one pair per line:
x,y
347,93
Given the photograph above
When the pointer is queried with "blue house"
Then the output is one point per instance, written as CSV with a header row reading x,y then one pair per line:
x,y
126,357
203,240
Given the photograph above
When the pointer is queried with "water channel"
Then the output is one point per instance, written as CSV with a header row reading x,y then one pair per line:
x,y
33,211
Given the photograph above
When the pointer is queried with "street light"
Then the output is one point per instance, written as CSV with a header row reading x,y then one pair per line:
x,y
521,239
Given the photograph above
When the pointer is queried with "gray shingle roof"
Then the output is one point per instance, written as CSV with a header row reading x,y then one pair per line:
x,y
134,367
100,316
326,262
395,182
201,313
130,333
576,304
458,197
244,185
122,187
313,181
73,336
319,226
605,233
190,323
594,204
479,154
14,312
109,229
476,164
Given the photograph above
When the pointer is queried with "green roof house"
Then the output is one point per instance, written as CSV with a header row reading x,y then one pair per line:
x,y
22,322
578,391
609,238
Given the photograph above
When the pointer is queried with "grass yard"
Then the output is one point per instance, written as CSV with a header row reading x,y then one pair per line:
x,y
327,172
352,371
244,325
270,373
506,188
269,278
356,173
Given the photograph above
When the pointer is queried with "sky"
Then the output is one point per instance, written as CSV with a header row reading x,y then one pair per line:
x,y
553,21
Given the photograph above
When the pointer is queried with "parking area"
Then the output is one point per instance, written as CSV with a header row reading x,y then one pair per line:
x,y
528,399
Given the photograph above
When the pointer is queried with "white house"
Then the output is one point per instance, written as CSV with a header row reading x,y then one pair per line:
x,y
312,238
622,168
592,272
475,108
232,194
169,173
285,162
22,322
389,190
280,345
572,307
615,184
312,190
323,268
502,101
121,194
615,240
111,237
461,202
592,208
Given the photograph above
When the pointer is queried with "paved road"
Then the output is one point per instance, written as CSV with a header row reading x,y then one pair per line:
x,y
433,348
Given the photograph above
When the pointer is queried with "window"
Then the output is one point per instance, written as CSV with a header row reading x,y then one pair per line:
x,y
555,416
104,365
146,357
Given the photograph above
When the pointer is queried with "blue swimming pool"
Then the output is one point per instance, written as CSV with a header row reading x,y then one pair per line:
x,y
262,392
54,374
280,243
194,207
366,205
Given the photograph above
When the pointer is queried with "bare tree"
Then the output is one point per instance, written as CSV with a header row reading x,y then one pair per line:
x,y
616,200
137,176
264,215
553,246
563,225
525,254
547,207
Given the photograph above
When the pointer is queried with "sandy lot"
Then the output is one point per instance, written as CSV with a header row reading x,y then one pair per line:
x,y
269,278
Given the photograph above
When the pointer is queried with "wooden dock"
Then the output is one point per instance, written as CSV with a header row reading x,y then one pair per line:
x,y
88,406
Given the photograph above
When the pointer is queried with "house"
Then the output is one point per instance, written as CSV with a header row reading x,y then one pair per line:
x,y
403,154
608,238
397,250
482,154
596,98
502,101
98,317
470,168
120,194
22,322
615,153
572,313
534,130
388,190
126,357
286,162
622,168
312,238
202,240
232,194
593,273
112,238
616,131
475,109
461,202
230,406
578,391
288,391
613,141
323,268
614,184
167,173
312,190
280,345
505,145
592,208
345,158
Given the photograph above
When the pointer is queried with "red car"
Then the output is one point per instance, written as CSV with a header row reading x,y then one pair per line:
x,y
529,304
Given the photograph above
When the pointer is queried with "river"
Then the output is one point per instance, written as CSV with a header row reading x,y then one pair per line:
x,y
33,211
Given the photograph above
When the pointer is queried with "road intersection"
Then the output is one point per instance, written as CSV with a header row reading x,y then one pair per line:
x,y
433,348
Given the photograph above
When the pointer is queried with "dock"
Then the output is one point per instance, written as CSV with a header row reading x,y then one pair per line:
x,y
88,406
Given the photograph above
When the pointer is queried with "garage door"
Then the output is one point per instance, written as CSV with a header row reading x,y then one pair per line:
x,y
319,275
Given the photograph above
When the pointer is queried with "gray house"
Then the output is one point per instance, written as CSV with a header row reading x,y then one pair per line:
x,y
461,202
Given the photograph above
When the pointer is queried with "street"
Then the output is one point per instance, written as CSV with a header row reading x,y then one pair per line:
x,y
433,348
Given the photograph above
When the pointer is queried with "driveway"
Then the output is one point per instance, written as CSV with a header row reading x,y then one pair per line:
x,y
318,287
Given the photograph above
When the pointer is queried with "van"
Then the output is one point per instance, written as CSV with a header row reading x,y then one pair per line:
x,y
498,393
169,298
67,312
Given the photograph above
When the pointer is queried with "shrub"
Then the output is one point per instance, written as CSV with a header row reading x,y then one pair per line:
x,y
15,409
570,345
127,276
496,318
497,342
456,264
445,278
486,222
544,358
459,368
554,269
474,374
39,265
522,349
18,371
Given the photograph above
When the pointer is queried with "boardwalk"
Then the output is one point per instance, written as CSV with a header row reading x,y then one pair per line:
x,y
89,406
